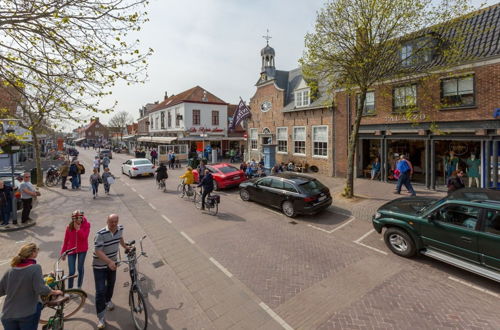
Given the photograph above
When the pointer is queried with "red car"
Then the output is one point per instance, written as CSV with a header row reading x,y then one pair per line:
x,y
225,175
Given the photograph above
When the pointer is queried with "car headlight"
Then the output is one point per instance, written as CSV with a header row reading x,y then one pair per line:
x,y
378,215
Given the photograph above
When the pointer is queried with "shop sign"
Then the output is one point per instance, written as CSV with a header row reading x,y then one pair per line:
x,y
459,148
413,117
496,113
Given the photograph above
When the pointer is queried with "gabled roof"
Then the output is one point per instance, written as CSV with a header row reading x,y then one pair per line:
x,y
193,95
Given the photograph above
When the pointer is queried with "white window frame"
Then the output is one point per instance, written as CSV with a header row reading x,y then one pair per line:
x,y
302,97
295,140
313,141
406,54
285,139
254,137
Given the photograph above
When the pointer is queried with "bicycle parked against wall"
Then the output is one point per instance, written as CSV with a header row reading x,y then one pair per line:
x,y
60,308
211,203
53,177
136,300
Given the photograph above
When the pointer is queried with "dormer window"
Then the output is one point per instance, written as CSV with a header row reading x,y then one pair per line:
x,y
406,52
302,98
418,51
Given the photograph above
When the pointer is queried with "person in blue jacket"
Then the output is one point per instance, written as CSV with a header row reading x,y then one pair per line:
x,y
207,183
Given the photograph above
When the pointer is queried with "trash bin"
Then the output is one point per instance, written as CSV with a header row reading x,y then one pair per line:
x,y
33,175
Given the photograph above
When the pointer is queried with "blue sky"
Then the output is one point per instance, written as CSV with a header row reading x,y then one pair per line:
x,y
216,44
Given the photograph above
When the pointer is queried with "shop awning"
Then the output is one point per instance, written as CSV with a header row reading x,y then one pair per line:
x,y
128,137
212,138
157,139
78,140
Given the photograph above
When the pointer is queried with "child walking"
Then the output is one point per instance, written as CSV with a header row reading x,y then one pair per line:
x,y
107,179
95,180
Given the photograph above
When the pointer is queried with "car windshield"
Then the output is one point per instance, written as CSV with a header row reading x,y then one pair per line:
x,y
227,169
142,162
312,187
431,205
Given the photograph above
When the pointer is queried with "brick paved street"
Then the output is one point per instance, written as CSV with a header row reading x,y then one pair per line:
x,y
250,267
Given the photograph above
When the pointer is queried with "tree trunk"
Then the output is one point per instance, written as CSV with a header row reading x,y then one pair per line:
x,y
352,145
38,161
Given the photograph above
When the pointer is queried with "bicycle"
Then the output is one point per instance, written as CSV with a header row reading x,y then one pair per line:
x,y
186,190
72,300
136,299
53,177
161,185
211,203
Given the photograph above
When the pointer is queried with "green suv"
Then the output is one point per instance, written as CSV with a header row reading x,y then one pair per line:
x,y
462,229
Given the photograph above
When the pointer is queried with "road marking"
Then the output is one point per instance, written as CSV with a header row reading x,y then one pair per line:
x,y
187,237
141,196
222,268
275,212
275,316
474,287
133,189
358,241
167,219
152,206
336,228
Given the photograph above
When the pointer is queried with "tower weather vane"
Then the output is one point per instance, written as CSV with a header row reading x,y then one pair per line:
x,y
267,37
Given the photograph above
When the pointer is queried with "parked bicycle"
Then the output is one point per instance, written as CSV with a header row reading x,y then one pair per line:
x,y
53,177
211,203
59,309
136,300
185,190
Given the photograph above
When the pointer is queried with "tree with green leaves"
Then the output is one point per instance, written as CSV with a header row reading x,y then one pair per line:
x,y
120,121
358,43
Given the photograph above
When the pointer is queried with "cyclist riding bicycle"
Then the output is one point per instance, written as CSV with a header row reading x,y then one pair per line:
x,y
188,177
207,183
161,173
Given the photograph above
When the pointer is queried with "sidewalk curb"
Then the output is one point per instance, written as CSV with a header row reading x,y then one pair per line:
x,y
17,227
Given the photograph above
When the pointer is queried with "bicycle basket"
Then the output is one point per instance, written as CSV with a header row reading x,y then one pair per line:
x,y
214,198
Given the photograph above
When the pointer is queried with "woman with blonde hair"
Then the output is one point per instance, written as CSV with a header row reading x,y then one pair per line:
x,y
76,236
22,285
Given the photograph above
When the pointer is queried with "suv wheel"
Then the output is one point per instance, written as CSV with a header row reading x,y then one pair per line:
x,y
400,242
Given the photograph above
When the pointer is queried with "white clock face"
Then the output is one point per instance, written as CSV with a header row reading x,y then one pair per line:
x,y
265,106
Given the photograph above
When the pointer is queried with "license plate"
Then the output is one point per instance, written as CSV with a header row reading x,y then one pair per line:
x,y
145,174
322,198
236,178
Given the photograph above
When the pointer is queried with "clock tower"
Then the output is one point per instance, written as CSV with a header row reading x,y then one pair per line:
x,y
268,70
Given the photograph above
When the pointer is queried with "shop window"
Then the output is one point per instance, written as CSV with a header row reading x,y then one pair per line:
x,y
302,98
253,138
320,141
215,118
196,117
404,98
369,107
299,140
457,92
282,137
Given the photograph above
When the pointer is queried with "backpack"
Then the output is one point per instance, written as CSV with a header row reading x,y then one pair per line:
x,y
82,169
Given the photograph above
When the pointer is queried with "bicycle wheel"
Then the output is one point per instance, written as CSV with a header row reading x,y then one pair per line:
x,y
197,201
50,182
73,305
180,190
214,209
138,309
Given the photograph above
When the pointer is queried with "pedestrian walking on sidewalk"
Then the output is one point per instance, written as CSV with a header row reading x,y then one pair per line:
x,y
6,195
76,236
405,169
95,180
81,171
97,163
64,170
106,250
73,173
154,156
105,162
28,191
22,285
108,179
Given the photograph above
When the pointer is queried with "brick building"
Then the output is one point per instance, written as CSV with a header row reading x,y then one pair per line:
x,y
457,114
291,118
92,133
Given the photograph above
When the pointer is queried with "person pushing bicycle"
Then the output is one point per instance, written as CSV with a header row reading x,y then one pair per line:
x,y
207,183
188,177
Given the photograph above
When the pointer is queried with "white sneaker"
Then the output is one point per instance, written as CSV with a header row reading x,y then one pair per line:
x,y
101,323
110,306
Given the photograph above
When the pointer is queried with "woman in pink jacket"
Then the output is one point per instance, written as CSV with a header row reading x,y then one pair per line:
x,y
77,235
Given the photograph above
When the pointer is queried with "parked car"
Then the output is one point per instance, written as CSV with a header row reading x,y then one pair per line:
x,y
106,152
462,229
225,175
138,167
293,193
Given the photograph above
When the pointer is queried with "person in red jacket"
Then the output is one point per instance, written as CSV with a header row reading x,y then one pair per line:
x,y
77,235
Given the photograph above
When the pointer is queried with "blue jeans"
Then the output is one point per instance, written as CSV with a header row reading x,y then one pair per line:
x,y
74,182
29,322
5,212
104,286
404,179
71,264
95,188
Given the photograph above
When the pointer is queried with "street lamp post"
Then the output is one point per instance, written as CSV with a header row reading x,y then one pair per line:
x,y
12,151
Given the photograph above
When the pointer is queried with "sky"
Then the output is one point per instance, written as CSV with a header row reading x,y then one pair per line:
x,y
216,44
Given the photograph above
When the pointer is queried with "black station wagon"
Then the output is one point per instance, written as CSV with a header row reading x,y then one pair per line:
x,y
462,229
293,193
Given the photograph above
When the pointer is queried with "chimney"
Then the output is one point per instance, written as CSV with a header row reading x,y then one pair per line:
x,y
166,96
